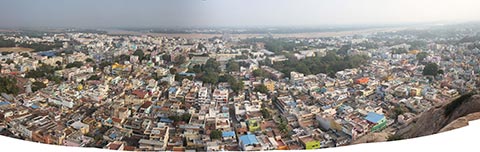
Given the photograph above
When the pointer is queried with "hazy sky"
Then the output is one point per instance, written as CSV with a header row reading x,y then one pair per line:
x,y
159,13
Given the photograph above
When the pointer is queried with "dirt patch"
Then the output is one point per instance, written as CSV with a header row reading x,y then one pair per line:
x,y
374,137
15,49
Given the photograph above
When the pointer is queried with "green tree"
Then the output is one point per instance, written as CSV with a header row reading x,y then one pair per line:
x,y
90,60
211,65
77,64
200,46
242,57
440,71
259,73
167,57
278,45
42,71
215,134
180,60
9,85
422,55
173,71
9,61
283,126
210,77
344,49
302,68
54,78
174,118
261,88
266,114
6,43
38,47
25,55
329,64
234,83
398,110
186,117
210,72
399,51
104,64
196,69
59,63
122,58
179,77
37,86
94,77
430,69
233,66
237,86
147,57
164,84
139,53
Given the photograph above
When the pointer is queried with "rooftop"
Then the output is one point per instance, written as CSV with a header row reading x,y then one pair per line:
x,y
228,134
249,139
374,117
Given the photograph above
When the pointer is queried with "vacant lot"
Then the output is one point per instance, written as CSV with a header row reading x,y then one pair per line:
x,y
14,49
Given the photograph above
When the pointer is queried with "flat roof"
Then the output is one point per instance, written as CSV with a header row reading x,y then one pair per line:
x,y
374,117
228,134
249,139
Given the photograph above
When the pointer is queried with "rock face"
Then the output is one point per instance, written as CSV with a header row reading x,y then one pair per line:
x,y
446,117
461,122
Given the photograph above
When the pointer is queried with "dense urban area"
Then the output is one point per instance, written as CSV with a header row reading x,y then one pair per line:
x,y
154,93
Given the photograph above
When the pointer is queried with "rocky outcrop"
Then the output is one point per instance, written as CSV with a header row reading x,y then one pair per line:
x,y
448,116
461,122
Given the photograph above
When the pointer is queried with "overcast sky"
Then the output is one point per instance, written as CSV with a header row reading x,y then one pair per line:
x,y
160,13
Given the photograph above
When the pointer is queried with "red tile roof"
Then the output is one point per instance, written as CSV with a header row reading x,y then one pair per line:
x,y
114,146
128,148
140,94
146,104
178,149
116,120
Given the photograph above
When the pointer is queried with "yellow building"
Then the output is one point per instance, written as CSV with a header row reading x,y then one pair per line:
x,y
270,85
118,66
388,78
414,52
415,91
80,87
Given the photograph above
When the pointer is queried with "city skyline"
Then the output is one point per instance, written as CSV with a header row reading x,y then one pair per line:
x,y
238,75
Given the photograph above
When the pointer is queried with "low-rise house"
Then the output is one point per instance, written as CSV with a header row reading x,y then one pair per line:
x,y
151,145
378,121
310,142
249,142
76,139
220,95
229,136
83,128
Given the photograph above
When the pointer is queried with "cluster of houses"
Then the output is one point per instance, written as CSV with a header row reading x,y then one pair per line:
x,y
140,104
